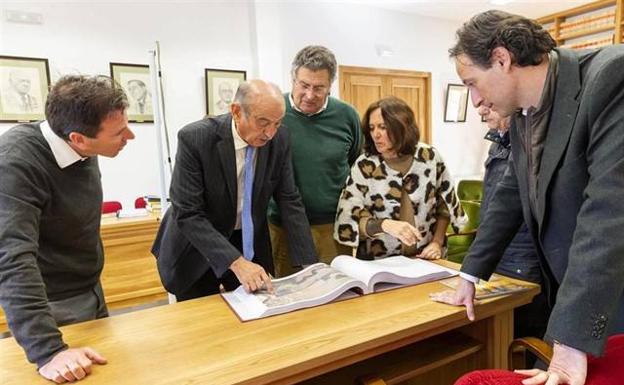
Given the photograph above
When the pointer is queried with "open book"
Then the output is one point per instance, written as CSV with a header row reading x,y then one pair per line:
x,y
496,286
321,283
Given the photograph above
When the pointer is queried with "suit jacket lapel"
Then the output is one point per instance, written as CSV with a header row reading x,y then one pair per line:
x,y
562,118
227,157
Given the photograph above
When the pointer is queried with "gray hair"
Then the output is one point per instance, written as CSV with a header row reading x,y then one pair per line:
x,y
315,58
249,90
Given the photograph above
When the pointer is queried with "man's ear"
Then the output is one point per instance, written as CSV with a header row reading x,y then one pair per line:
x,y
501,58
77,139
236,110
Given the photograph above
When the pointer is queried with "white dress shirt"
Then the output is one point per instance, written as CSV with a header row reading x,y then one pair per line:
x,y
63,153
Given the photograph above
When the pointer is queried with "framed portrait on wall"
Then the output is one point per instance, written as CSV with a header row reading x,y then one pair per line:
x,y
24,85
221,86
135,81
456,103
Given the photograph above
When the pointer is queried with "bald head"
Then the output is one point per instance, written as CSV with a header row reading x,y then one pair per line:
x,y
255,92
258,110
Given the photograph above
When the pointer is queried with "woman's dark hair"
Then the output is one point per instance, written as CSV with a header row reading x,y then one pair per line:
x,y
525,39
400,125
78,103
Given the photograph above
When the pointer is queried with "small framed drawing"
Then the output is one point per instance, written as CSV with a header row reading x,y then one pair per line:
x,y
456,103
221,86
24,85
135,81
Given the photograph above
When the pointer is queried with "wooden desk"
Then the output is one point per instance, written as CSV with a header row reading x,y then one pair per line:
x,y
203,342
130,276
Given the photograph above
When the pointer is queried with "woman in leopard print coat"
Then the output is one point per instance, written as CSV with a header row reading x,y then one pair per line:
x,y
399,198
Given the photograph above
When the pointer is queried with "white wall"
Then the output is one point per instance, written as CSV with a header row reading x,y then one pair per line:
x,y
259,37
84,37
352,33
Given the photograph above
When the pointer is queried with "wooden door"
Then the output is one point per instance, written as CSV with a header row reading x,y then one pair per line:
x,y
361,86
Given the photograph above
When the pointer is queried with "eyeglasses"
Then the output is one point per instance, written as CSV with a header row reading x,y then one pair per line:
x,y
316,90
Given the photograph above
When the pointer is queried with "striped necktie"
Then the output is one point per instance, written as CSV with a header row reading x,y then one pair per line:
x,y
248,231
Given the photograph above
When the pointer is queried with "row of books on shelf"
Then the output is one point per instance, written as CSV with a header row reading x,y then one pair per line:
x,y
591,43
348,277
587,23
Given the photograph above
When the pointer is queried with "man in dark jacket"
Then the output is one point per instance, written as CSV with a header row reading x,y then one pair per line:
x,y
566,177
227,168
520,260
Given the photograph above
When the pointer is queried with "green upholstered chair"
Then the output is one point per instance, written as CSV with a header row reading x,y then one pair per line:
x,y
470,190
458,243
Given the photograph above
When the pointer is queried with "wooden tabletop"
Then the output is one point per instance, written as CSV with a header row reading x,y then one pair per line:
x,y
109,220
203,342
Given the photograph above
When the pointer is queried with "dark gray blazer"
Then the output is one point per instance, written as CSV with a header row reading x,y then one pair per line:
x,y
579,229
193,236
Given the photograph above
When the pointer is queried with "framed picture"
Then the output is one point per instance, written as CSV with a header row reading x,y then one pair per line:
x,y
221,86
24,85
135,81
456,103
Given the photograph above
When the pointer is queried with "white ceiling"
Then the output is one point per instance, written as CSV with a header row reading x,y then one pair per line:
x,y
462,10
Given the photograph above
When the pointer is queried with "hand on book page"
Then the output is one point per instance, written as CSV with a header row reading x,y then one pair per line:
x,y
251,275
315,285
319,284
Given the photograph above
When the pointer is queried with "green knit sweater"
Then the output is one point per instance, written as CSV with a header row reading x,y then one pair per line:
x,y
324,146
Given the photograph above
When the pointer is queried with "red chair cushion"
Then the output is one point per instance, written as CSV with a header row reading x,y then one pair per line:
x,y
605,370
110,207
608,369
491,377
139,203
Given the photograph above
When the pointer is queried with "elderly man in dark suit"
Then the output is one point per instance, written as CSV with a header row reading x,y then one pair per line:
x,y
566,177
227,168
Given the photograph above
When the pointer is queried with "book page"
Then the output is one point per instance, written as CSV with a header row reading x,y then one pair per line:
x,y
315,285
397,270
356,268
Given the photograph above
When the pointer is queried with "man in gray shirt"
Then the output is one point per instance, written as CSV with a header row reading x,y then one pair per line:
x,y
51,254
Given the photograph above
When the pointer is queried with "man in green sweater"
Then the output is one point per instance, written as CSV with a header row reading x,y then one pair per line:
x,y
51,254
325,139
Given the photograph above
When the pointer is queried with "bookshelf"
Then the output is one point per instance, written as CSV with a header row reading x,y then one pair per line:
x,y
591,25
